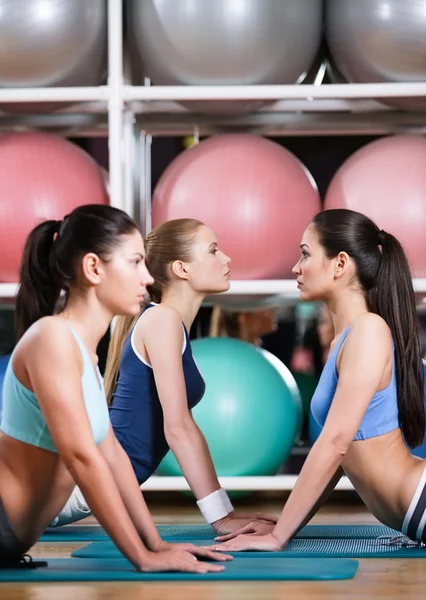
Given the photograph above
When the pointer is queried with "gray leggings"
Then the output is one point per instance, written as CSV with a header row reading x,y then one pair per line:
x,y
10,547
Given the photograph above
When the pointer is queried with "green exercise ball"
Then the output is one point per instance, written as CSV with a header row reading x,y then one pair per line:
x,y
290,382
248,414
306,384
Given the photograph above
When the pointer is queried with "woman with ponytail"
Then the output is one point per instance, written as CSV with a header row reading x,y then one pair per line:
x,y
369,400
55,430
152,381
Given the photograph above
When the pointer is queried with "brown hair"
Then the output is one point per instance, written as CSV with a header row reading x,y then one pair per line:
x,y
166,243
53,252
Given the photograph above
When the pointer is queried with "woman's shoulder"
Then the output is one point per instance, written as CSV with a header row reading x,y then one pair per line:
x,y
368,330
48,340
370,322
159,319
50,328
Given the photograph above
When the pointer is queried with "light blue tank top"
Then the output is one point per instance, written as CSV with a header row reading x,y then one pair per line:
x,y
23,420
382,412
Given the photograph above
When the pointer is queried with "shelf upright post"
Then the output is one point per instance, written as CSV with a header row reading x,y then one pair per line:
x,y
115,103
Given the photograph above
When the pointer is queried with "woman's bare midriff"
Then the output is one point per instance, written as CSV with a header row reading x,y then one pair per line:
x,y
385,475
35,485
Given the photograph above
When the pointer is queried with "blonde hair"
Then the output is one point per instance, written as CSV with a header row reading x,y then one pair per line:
x,y
170,241
224,323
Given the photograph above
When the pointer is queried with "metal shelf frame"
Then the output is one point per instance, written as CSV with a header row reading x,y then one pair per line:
x,y
130,115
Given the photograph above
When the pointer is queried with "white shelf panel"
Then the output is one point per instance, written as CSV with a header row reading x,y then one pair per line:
x,y
58,94
8,290
280,287
274,92
276,482
311,105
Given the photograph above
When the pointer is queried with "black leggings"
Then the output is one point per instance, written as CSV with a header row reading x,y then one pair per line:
x,y
10,547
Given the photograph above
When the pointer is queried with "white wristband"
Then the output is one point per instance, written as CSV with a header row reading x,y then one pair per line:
x,y
215,506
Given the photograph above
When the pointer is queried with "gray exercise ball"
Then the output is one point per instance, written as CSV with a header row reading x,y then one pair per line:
x,y
224,42
379,41
52,43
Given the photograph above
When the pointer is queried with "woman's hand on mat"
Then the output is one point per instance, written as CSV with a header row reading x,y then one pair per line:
x,y
235,522
253,528
177,560
266,543
198,551
256,516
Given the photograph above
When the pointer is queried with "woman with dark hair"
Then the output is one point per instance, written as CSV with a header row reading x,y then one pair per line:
x,y
55,427
370,395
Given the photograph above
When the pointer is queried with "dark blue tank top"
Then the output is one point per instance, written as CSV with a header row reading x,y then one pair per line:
x,y
135,411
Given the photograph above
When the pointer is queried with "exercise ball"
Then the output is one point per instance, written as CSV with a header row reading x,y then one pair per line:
x,y
379,41
4,361
307,384
52,43
386,180
291,384
255,195
41,177
248,414
225,42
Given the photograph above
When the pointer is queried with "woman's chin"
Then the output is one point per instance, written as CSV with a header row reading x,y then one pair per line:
x,y
304,295
223,287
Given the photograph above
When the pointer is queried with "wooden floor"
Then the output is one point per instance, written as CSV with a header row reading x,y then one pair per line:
x,y
376,578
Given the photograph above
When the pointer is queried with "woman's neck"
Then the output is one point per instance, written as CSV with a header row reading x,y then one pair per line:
x,y
88,317
345,308
186,302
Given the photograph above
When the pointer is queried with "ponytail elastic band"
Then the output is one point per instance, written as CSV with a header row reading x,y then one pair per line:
x,y
215,506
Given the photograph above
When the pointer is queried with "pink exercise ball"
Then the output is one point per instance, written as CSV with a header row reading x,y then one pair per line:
x,y
256,196
41,177
386,180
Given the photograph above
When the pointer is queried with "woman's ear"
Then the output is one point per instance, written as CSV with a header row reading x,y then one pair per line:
x,y
341,265
93,268
180,269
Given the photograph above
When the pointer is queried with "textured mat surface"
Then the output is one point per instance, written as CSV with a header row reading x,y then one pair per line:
x,y
297,548
272,569
93,533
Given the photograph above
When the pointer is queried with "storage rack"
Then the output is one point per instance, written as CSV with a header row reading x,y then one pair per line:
x,y
130,115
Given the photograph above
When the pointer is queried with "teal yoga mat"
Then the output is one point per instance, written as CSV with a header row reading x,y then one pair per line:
x,y
74,533
93,533
272,569
297,548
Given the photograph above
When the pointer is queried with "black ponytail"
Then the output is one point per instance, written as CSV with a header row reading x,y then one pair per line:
x,y
392,297
39,289
53,252
384,275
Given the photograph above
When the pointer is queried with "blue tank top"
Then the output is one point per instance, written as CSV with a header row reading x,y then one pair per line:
x,y
382,412
135,411
23,420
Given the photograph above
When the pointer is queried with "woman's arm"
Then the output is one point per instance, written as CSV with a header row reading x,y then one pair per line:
x,y
134,501
365,355
161,336
129,490
261,529
55,371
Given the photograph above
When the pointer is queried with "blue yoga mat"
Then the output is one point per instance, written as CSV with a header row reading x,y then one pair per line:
x,y
297,548
251,569
93,533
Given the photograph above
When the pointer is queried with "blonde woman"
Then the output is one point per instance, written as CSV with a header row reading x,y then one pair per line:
x,y
152,380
